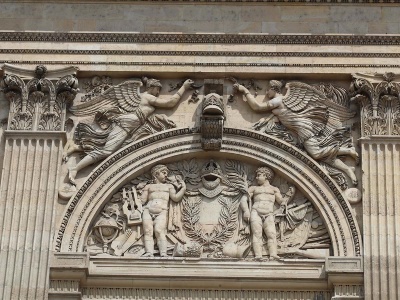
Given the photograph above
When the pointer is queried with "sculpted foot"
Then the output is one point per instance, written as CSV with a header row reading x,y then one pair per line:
x,y
163,254
274,257
147,254
71,175
354,154
353,177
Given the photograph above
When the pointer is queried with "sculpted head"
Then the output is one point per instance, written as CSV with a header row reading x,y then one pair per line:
x,y
159,173
264,174
153,87
275,87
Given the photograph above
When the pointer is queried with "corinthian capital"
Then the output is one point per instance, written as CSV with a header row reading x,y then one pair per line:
x,y
38,98
378,96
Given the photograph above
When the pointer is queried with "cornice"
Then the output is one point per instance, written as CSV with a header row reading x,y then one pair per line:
x,y
199,53
194,38
199,64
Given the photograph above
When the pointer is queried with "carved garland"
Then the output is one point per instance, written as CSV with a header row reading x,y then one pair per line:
x,y
184,131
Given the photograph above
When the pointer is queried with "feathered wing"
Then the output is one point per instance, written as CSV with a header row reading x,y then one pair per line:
x,y
125,96
338,104
301,95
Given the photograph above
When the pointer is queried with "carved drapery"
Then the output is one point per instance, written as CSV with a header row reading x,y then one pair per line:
x,y
38,104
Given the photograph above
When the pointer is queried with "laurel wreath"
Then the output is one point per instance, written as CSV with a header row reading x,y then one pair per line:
x,y
222,231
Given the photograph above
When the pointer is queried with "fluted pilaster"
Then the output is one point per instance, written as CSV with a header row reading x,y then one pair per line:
x,y
381,212
28,194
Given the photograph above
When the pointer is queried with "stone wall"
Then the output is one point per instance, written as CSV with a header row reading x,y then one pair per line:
x,y
44,236
272,18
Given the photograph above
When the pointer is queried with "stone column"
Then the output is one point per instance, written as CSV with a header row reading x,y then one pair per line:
x,y
380,143
29,183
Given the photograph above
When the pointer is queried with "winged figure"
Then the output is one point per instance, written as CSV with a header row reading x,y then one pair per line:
x,y
312,115
121,112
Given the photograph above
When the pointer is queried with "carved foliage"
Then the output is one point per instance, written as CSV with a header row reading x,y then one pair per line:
x,y
96,86
38,104
379,102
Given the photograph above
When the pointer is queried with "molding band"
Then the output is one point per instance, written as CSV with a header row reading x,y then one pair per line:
x,y
193,38
199,53
212,65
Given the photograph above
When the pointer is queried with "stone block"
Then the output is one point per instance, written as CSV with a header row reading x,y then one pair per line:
x,y
344,264
261,13
383,27
305,13
165,26
353,27
390,14
355,14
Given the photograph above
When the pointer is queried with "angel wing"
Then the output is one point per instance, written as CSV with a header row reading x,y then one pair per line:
x,y
125,96
300,95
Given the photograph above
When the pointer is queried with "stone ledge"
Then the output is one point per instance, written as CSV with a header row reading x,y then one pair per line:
x,y
177,273
227,268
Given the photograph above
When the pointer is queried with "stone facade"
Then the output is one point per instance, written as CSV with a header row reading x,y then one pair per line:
x,y
199,150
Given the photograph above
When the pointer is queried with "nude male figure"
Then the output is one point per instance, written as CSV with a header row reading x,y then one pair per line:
x,y
262,216
155,213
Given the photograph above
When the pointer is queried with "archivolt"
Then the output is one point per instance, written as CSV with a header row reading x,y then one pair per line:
x,y
245,145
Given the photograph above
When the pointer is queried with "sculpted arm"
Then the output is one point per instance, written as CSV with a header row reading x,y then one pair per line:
x,y
278,197
177,196
171,102
254,104
244,207
145,194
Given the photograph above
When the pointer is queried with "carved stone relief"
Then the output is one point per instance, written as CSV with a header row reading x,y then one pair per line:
x,y
212,121
37,103
378,97
96,86
123,114
310,117
209,209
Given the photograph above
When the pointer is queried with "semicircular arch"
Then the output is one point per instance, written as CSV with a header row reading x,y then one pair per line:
x,y
178,144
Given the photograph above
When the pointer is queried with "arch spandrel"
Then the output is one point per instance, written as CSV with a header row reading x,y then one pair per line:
x,y
242,145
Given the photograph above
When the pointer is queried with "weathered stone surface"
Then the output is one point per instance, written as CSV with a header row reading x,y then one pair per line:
x,y
90,240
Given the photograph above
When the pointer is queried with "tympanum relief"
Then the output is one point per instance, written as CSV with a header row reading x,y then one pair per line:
x,y
209,209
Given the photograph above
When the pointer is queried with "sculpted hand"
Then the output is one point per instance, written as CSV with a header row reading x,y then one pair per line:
x,y
240,88
188,83
182,183
65,157
246,216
